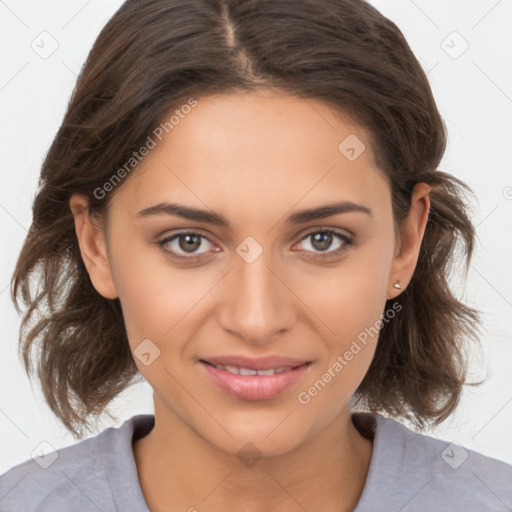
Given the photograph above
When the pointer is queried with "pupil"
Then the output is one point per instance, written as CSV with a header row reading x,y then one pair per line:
x,y
190,243
325,243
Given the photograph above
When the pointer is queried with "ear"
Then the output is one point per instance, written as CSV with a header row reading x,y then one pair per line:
x,y
93,247
409,240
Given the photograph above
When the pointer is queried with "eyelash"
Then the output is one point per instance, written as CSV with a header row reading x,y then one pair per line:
x,y
320,255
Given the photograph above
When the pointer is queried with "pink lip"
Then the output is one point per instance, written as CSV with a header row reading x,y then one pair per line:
x,y
255,387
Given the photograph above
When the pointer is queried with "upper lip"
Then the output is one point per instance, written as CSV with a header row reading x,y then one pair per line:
x,y
260,363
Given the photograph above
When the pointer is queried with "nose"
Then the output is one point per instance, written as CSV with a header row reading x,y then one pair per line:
x,y
256,304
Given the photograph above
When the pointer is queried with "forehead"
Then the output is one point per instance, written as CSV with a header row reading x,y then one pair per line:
x,y
258,150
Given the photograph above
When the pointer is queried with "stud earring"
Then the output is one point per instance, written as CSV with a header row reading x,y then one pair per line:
x,y
396,285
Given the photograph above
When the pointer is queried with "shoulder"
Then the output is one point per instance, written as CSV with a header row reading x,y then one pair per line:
x,y
74,477
422,472
462,475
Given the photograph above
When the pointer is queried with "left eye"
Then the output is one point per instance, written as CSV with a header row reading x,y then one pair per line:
x,y
322,240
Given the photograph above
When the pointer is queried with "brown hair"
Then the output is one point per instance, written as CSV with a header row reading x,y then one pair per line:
x,y
146,61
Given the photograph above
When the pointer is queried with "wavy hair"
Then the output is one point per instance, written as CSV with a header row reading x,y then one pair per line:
x,y
150,57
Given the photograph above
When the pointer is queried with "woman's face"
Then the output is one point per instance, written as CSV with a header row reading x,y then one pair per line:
x,y
266,282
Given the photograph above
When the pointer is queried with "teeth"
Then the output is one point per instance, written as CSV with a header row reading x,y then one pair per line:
x,y
247,371
251,371
270,371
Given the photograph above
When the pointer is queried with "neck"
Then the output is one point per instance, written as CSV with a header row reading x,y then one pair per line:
x,y
178,470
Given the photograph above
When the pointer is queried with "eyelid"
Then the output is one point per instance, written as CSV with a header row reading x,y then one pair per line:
x,y
319,229
191,231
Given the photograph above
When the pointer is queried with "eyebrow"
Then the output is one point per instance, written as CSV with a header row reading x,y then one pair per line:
x,y
209,217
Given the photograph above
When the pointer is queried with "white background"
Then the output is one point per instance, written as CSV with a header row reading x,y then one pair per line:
x,y
474,95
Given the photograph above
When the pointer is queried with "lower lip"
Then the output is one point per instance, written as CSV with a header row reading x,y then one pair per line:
x,y
255,387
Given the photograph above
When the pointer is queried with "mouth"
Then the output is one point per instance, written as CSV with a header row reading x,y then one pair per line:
x,y
251,371
258,379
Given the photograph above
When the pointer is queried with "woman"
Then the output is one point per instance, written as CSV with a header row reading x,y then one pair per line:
x,y
243,207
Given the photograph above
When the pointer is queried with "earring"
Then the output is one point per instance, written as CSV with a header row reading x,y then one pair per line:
x,y
396,285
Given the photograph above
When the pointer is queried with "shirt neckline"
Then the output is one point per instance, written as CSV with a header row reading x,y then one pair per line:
x,y
125,484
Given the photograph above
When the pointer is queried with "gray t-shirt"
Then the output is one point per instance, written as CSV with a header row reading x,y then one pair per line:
x,y
408,472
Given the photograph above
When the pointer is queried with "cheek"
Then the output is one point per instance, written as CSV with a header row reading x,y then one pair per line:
x,y
351,297
350,301
144,291
156,298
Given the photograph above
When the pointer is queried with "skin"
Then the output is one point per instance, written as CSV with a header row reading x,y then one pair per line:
x,y
254,158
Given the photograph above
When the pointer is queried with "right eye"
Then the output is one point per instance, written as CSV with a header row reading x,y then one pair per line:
x,y
187,242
